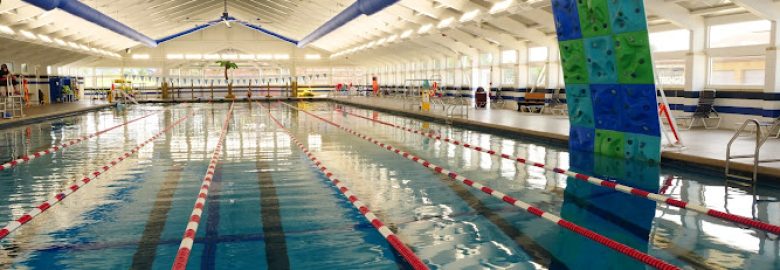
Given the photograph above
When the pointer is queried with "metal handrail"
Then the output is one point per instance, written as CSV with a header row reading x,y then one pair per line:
x,y
760,140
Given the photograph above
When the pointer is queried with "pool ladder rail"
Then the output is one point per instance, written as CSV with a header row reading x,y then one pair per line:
x,y
760,141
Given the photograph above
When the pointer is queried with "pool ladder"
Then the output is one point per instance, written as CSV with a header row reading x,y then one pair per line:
x,y
760,140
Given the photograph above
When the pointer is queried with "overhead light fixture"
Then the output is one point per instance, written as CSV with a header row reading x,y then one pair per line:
x,y
501,6
83,47
6,30
281,56
229,56
313,57
60,42
381,41
265,57
73,45
141,56
424,29
371,44
445,23
468,16
175,56
406,34
193,56
45,38
246,56
392,38
27,34
211,56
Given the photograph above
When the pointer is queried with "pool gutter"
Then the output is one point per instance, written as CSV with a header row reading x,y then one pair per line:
x,y
49,116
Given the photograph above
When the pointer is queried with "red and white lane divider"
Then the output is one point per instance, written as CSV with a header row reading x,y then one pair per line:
x,y
183,255
38,154
617,246
602,182
13,225
388,234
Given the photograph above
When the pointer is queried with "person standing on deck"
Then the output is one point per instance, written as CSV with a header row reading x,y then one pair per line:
x,y
5,77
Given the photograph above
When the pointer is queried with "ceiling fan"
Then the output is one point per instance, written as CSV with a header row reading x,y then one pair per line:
x,y
225,18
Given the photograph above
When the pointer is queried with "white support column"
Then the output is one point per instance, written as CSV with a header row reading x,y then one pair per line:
x,y
474,73
495,68
696,61
773,61
553,67
772,79
522,68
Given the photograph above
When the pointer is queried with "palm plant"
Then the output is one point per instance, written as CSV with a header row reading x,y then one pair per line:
x,y
228,65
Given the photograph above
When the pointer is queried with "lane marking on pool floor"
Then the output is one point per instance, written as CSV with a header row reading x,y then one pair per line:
x,y
275,240
13,225
150,239
388,234
608,242
210,241
183,255
39,154
598,181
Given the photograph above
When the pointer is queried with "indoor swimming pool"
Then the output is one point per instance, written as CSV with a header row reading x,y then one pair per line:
x,y
270,207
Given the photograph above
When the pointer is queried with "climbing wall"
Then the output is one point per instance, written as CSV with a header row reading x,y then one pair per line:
x,y
608,71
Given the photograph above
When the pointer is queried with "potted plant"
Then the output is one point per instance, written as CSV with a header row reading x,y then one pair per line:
x,y
228,65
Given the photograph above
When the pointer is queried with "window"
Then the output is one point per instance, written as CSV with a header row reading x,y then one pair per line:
x,y
745,71
452,62
537,54
104,77
486,59
536,75
671,72
465,61
740,34
508,76
509,57
669,41
484,78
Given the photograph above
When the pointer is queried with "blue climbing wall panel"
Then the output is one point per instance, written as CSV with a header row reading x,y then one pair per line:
x,y
607,67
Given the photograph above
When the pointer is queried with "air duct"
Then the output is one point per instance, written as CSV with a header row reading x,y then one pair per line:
x,y
85,12
360,7
268,32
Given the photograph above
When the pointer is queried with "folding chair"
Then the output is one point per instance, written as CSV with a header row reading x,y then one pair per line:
x,y
705,109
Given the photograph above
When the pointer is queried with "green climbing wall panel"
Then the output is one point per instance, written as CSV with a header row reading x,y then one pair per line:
x,y
607,67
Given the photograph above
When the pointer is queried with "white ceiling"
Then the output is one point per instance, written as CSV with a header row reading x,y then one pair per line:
x,y
525,22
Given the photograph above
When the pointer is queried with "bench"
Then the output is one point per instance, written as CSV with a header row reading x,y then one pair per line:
x,y
532,102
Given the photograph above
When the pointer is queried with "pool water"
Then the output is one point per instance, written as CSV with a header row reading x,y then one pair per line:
x,y
270,208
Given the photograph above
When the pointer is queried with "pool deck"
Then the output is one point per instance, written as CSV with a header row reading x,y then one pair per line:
x,y
702,147
40,113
